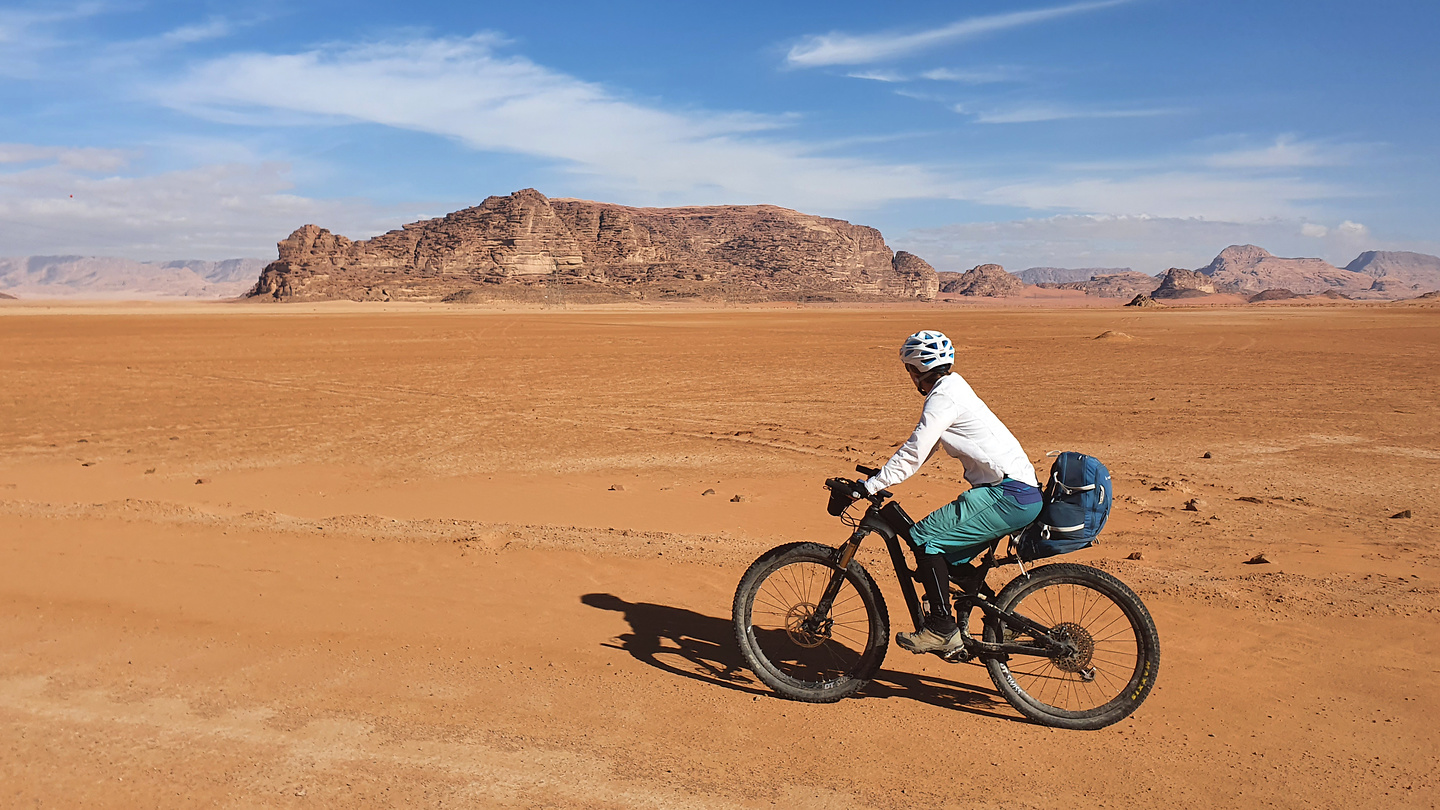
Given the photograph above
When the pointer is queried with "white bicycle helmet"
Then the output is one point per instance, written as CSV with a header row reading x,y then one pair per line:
x,y
926,350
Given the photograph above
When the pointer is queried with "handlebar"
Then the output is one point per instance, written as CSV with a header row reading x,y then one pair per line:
x,y
868,472
846,486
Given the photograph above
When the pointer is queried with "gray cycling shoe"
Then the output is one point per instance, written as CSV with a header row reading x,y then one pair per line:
x,y
927,641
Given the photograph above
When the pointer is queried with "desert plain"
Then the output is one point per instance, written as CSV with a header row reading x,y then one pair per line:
x,y
418,556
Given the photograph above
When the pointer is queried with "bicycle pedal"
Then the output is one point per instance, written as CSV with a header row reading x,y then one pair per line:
x,y
957,656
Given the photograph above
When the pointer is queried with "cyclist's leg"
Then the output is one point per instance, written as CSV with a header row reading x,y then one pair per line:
x,y
955,533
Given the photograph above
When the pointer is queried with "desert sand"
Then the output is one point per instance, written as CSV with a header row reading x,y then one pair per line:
x,y
416,556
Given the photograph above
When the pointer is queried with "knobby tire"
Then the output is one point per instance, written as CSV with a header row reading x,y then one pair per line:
x,y
1114,626
782,583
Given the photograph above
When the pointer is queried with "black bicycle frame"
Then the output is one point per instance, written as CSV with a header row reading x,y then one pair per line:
x,y
893,524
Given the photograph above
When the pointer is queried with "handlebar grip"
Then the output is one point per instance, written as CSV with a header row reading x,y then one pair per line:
x,y
869,471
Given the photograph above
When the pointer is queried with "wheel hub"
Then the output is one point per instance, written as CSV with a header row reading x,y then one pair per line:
x,y
801,628
1082,643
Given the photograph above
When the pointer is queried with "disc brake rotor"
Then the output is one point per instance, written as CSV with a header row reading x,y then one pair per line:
x,y
795,620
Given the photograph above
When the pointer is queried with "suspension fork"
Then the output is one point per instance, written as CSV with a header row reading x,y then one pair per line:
x,y
819,621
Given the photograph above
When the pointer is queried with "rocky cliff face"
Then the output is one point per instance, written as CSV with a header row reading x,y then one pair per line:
x,y
526,239
1250,269
921,278
989,280
1398,270
1181,283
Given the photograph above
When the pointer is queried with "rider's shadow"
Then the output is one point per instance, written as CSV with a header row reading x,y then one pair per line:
x,y
693,645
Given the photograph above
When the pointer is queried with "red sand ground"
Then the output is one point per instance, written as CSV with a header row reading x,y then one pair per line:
x,y
407,581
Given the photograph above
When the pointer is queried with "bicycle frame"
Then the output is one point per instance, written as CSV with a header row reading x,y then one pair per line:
x,y
892,523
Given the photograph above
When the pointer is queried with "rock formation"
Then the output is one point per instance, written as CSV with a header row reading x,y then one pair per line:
x,y
7,297
920,274
1397,271
1145,301
989,280
1250,269
1181,283
1272,294
1116,285
526,240
1064,275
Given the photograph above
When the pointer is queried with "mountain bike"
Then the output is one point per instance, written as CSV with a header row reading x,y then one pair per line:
x,y
1067,645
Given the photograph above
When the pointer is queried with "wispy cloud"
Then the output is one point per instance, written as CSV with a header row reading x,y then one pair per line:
x,y
976,77
69,201
87,159
215,28
464,89
1212,195
1031,114
878,75
27,35
838,48
986,76
1288,151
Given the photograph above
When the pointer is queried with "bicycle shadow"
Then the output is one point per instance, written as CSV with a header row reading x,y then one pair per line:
x,y
707,645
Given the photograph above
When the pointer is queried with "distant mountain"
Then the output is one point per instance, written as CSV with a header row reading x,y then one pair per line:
x,y
6,297
1115,285
1061,275
1417,271
111,277
1250,269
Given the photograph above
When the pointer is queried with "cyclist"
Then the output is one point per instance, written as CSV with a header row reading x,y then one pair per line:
x,y
1004,494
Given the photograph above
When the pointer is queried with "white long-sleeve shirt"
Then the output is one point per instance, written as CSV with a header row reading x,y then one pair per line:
x,y
956,419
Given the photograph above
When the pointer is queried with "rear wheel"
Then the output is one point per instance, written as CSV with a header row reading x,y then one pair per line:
x,y
1112,659
799,655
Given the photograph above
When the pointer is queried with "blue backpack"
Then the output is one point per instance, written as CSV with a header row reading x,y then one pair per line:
x,y
1077,503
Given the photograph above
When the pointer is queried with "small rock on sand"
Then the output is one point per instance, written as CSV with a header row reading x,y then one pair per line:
x,y
737,499
1400,515
617,487
1258,559
1110,334
202,480
1193,505
150,471
1135,555
1207,455
708,492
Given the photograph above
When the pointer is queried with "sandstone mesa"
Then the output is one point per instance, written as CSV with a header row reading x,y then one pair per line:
x,y
525,241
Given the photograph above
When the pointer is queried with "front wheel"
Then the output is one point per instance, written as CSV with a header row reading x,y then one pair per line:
x,y
1110,663
802,656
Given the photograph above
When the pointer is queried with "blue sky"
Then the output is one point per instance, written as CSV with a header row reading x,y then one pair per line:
x,y
1143,133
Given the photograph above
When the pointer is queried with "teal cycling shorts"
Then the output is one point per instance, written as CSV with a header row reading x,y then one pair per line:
x,y
964,527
